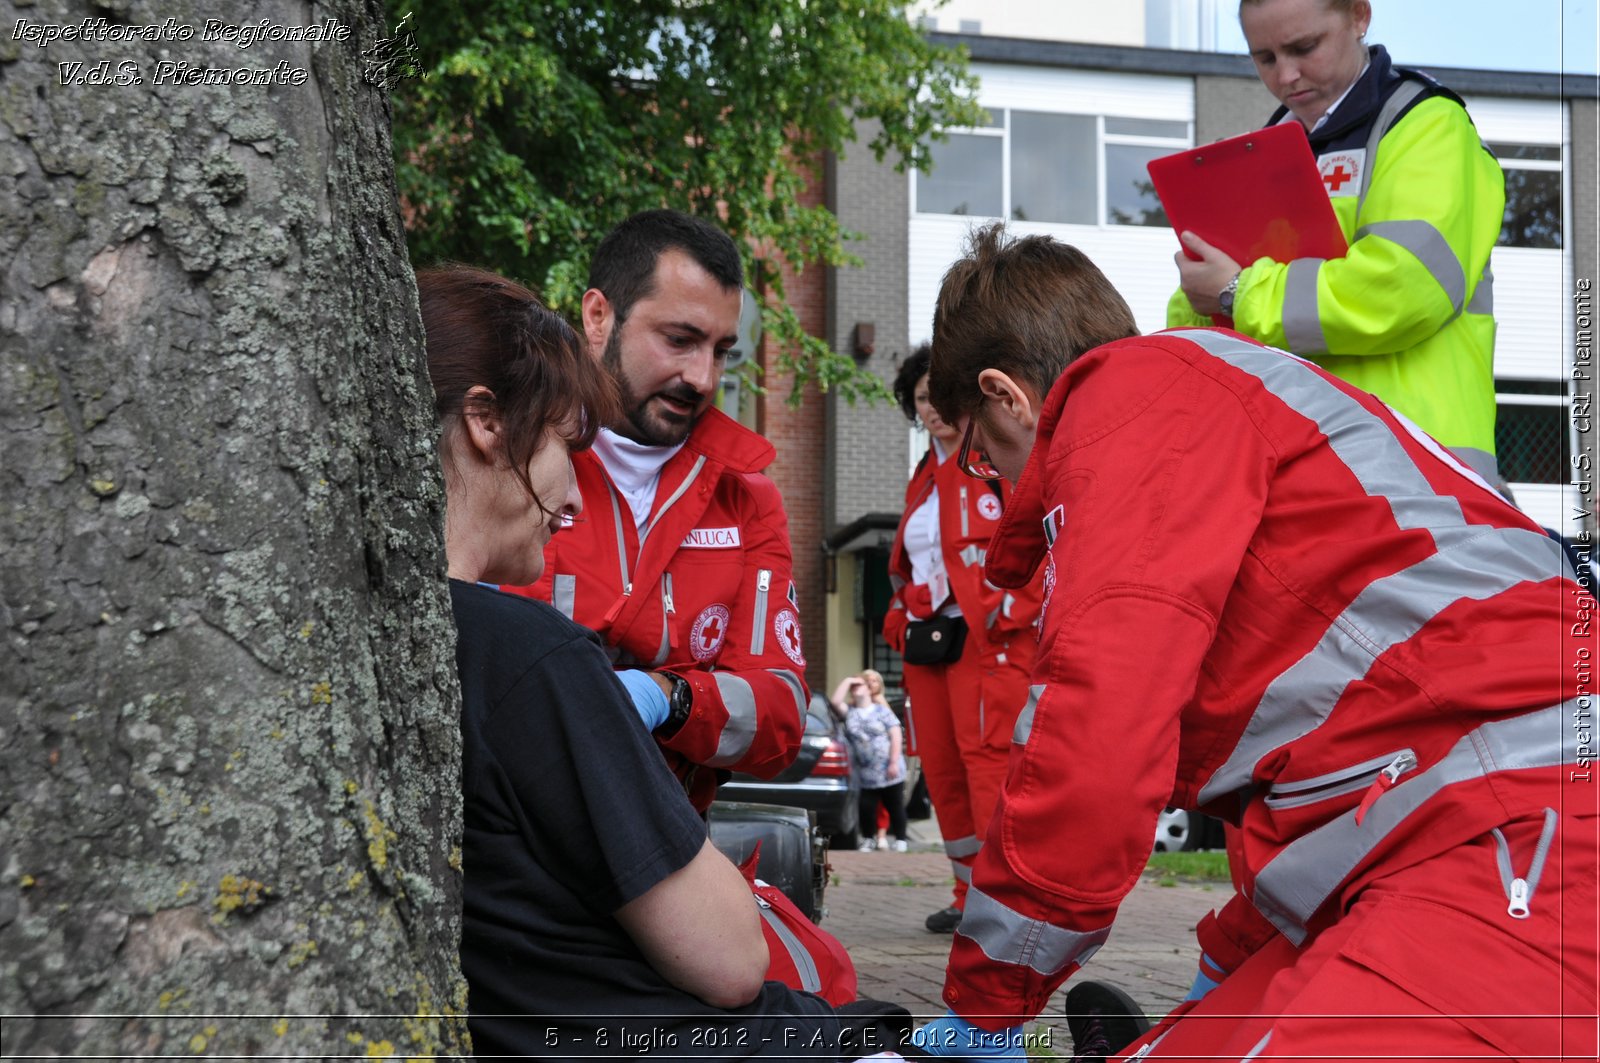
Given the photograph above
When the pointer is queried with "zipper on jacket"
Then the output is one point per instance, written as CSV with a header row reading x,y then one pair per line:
x,y
1403,762
616,606
622,557
1519,890
669,631
758,632
1346,780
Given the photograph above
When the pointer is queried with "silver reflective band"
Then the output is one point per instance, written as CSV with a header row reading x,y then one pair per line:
x,y
1006,936
1482,301
797,689
804,965
1398,100
956,848
564,594
1429,246
1024,727
740,730
1302,323
1306,873
962,872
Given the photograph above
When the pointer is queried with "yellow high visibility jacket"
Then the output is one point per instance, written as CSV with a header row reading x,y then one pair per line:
x,y
1407,314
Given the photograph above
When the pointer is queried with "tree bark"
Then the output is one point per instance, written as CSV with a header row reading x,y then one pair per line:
x,y
229,743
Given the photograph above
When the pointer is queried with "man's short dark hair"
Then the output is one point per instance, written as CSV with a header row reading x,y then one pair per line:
x,y
1026,307
624,265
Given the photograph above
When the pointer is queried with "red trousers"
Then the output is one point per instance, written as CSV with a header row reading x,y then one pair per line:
x,y
960,723
1425,964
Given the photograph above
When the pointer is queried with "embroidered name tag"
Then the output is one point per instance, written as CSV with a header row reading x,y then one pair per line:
x,y
711,539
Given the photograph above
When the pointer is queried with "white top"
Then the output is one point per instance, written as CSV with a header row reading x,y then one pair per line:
x,y
922,545
635,469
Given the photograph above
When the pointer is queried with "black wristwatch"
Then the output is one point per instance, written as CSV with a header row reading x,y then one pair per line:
x,y
679,704
1225,298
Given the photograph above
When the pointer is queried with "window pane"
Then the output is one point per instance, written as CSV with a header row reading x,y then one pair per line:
x,y
1130,197
1533,209
1545,152
1532,445
1147,127
965,178
1053,167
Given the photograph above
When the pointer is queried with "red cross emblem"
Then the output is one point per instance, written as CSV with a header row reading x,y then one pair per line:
x,y
1336,177
709,630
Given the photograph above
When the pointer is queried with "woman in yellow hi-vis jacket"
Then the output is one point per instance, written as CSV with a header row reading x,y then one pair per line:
x,y
1407,314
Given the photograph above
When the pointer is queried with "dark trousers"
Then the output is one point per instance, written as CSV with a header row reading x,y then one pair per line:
x,y
893,799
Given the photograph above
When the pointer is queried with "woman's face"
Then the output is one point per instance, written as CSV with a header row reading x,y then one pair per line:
x,y
944,433
496,530
1306,52
874,683
556,487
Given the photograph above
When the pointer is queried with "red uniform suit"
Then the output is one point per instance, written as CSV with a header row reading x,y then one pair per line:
x,y
703,592
1270,598
962,713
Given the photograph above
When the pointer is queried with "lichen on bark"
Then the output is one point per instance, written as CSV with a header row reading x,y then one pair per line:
x,y
228,675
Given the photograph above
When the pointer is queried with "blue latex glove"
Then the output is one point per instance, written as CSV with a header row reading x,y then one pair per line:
x,y
952,1035
648,699
1203,981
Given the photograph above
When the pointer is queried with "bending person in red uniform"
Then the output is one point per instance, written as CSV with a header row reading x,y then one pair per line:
x,y
961,709
681,562
1270,598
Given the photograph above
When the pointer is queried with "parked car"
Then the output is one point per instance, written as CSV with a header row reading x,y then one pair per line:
x,y
821,779
1179,830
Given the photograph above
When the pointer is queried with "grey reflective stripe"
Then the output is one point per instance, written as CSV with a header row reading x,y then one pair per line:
x,y
1472,561
1428,244
964,515
962,872
1482,301
1308,871
1481,462
896,582
1024,727
797,690
622,543
1260,1047
956,848
737,734
804,965
1007,936
1302,324
564,594
1397,102
973,554
699,464
1333,784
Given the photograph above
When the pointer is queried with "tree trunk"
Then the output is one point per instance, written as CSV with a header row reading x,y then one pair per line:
x,y
229,749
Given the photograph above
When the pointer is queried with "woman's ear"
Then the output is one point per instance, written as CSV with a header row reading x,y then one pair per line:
x,y
484,429
1013,397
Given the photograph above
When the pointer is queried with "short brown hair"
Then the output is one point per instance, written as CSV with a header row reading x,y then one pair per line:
x,y
483,329
1026,307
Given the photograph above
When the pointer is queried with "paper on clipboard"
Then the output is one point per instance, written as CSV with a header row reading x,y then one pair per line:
x,y
1251,196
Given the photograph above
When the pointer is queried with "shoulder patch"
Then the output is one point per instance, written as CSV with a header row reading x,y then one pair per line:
x,y
1342,171
988,506
712,539
786,625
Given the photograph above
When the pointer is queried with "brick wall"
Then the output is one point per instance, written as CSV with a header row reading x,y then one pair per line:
x,y
798,434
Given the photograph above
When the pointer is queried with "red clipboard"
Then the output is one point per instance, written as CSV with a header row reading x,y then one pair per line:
x,y
1251,196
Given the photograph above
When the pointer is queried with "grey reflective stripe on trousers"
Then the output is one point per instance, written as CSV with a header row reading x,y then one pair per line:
x,y
1007,936
804,965
962,872
958,848
1472,562
1308,871
564,594
1024,727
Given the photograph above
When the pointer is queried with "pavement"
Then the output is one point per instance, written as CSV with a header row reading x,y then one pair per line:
x,y
876,903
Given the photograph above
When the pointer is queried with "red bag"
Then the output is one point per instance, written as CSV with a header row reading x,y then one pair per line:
x,y
801,954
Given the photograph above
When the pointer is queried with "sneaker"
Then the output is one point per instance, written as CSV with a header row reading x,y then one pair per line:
x,y
900,845
944,921
1103,1019
867,845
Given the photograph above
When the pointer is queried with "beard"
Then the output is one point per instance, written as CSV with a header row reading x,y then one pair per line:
x,y
640,422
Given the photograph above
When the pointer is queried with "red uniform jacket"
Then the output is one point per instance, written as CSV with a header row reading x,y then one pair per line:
x,y
969,513
704,593
1269,598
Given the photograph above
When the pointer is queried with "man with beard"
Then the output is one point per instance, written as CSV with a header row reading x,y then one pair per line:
x,y
681,560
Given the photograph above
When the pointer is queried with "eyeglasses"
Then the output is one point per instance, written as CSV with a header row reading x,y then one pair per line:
x,y
976,465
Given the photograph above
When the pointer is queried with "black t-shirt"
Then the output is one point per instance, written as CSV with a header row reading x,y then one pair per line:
x,y
570,813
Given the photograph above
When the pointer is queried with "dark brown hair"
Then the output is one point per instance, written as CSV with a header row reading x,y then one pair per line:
x,y
913,369
1026,307
483,329
624,265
